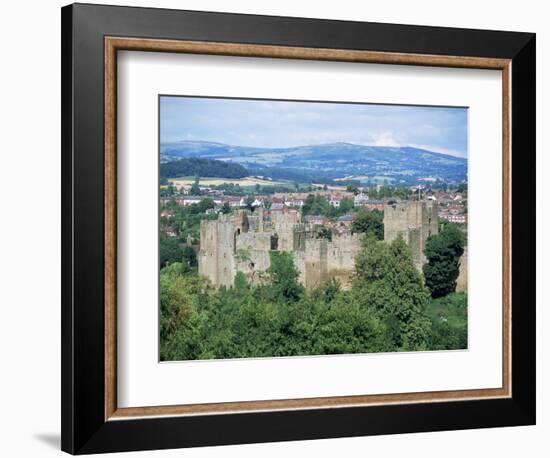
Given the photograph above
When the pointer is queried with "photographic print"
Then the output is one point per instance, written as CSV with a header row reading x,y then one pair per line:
x,y
298,228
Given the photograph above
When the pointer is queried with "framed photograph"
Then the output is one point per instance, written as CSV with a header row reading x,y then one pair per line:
x,y
281,228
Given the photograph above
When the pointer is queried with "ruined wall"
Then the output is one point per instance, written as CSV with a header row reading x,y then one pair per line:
x,y
341,253
315,263
415,222
217,249
462,280
252,254
242,242
282,223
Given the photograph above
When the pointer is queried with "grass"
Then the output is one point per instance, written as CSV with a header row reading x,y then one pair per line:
x,y
452,308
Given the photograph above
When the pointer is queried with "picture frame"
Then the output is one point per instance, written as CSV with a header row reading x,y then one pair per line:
x,y
92,35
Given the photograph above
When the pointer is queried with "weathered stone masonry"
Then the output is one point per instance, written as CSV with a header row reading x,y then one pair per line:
x,y
415,221
242,242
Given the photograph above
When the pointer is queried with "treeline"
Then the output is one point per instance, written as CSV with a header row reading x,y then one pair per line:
x,y
202,168
388,309
183,222
316,204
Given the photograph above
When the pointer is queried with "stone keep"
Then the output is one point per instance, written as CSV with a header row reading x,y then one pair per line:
x,y
415,222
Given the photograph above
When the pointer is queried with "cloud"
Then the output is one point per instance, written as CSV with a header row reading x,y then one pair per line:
x,y
385,139
267,123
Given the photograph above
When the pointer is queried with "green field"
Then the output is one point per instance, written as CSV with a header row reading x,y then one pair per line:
x,y
247,181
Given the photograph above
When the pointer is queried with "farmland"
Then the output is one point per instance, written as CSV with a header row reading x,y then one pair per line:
x,y
210,181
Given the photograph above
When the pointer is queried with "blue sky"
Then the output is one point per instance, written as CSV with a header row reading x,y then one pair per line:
x,y
266,123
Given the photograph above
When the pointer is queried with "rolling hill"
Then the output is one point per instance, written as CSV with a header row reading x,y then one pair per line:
x,y
406,165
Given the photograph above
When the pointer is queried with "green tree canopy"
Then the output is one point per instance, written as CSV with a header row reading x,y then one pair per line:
x,y
189,260
316,205
370,222
195,188
387,281
443,252
284,276
170,250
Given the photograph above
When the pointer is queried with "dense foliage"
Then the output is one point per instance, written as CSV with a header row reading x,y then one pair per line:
x,y
370,222
388,309
443,252
184,222
449,315
202,168
316,204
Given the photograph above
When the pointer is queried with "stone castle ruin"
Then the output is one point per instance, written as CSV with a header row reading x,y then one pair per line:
x,y
415,221
242,242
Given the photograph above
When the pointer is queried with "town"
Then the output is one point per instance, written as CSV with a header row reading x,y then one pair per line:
x,y
319,227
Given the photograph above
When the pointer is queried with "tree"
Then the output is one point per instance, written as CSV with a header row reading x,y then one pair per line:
x,y
226,208
449,315
352,188
241,283
443,252
345,205
189,260
195,189
284,276
202,167
462,188
170,250
180,320
370,222
248,202
316,205
324,233
387,281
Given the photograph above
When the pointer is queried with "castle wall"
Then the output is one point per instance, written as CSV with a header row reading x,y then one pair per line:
x,y
462,280
283,223
341,253
252,254
242,242
315,260
216,255
415,222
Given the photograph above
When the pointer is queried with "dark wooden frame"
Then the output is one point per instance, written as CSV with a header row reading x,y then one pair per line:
x,y
91,35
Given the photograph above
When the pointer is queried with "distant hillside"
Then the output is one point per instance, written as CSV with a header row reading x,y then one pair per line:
x,y
331,161
202,168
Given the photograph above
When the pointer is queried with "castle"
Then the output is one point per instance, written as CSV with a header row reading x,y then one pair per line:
x,y
242,241
415,221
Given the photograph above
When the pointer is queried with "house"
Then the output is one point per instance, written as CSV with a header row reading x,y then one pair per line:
x,y
335,201
346,220
235,202
375,204
316,220
278,206
169,231
294,203
166,214
257,203
360,200
189,201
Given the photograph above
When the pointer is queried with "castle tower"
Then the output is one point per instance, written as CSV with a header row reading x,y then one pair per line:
x,y
217,251
415,222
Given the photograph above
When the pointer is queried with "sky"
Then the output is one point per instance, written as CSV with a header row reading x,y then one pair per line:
x,y
274,124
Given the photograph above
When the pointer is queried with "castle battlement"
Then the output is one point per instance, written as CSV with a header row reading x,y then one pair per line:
x,y
414,221
242,242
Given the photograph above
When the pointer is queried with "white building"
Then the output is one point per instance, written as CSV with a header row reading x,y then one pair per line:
x,y
360,199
